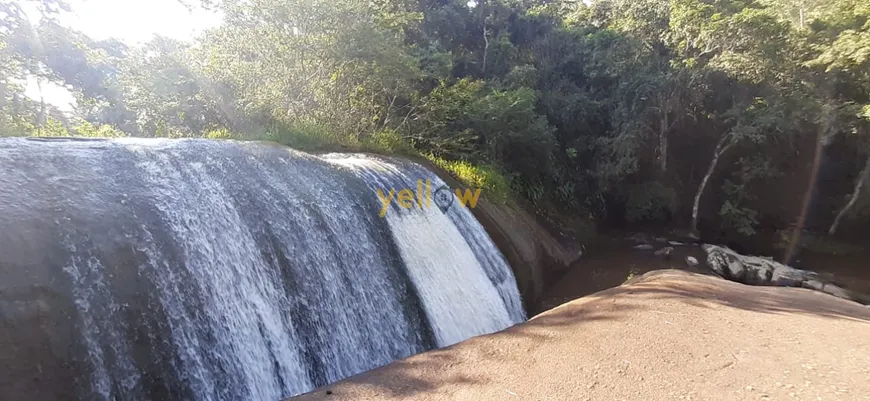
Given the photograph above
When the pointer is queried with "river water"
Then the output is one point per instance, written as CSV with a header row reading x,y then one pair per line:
x,y
219,270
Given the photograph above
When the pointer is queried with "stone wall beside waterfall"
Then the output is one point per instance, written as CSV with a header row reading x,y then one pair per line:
x,y
204,270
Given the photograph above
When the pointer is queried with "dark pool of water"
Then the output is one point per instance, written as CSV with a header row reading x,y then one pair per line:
x,y
611,261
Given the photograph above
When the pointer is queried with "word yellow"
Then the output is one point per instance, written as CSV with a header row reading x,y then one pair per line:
x,y
423,198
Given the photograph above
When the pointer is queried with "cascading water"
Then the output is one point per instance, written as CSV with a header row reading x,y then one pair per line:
x,y
202,270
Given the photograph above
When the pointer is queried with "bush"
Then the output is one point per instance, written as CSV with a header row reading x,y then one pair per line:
x,y
221,133
387,141
650,201
741,219
307,136
494,184
301,136
87,129
57,128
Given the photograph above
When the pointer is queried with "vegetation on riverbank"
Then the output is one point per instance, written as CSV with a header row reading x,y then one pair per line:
x,y
733,117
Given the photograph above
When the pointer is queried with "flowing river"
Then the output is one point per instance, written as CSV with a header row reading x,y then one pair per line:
x,y
221,270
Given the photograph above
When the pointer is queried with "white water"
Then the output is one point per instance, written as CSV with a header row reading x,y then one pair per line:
x,y
242,300
203,270
439,259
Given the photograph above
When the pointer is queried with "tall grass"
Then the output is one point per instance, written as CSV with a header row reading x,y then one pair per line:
x,y
314,138
496,187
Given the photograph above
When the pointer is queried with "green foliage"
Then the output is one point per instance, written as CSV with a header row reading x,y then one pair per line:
x,y
50,128
736,212
495,186
58,128
743,220
388,142
618,105
89,130
468,120
221,133
306,136
650,202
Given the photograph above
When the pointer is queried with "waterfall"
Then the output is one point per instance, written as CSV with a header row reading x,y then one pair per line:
x,y
221,270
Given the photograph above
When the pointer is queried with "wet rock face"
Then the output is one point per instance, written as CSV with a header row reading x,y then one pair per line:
x,y
200,270
756,270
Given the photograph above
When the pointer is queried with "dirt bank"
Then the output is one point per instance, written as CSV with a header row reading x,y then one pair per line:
x,y
668,335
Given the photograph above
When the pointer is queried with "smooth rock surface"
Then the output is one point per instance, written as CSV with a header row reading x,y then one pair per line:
x,y
197,270
670,335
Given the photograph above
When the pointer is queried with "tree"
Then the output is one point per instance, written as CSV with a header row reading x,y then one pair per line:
x,y
841,39
853,197
753,122
626,110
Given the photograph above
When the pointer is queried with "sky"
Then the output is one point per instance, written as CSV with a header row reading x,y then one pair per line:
x,y
131,21
136,21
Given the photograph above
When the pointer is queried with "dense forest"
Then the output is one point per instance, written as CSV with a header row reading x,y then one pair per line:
x,y
729,118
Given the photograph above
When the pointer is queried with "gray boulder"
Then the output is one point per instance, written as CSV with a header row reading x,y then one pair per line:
x,y
745,269
735,270
665,252
785,276
755,270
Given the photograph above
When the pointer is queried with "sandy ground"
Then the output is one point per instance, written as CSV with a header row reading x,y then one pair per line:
x,y
668,335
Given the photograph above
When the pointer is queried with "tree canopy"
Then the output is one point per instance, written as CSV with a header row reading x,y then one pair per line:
x,y
714,115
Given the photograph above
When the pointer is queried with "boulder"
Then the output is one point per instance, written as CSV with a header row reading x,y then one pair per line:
x,y
735,270
750,269
691,261
643,247
837,291
813,284
665,252
755,270
784,276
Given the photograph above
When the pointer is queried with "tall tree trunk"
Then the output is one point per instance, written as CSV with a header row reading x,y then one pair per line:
x,y
663,143
802,17
40,118
859,183
721,147
485,47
